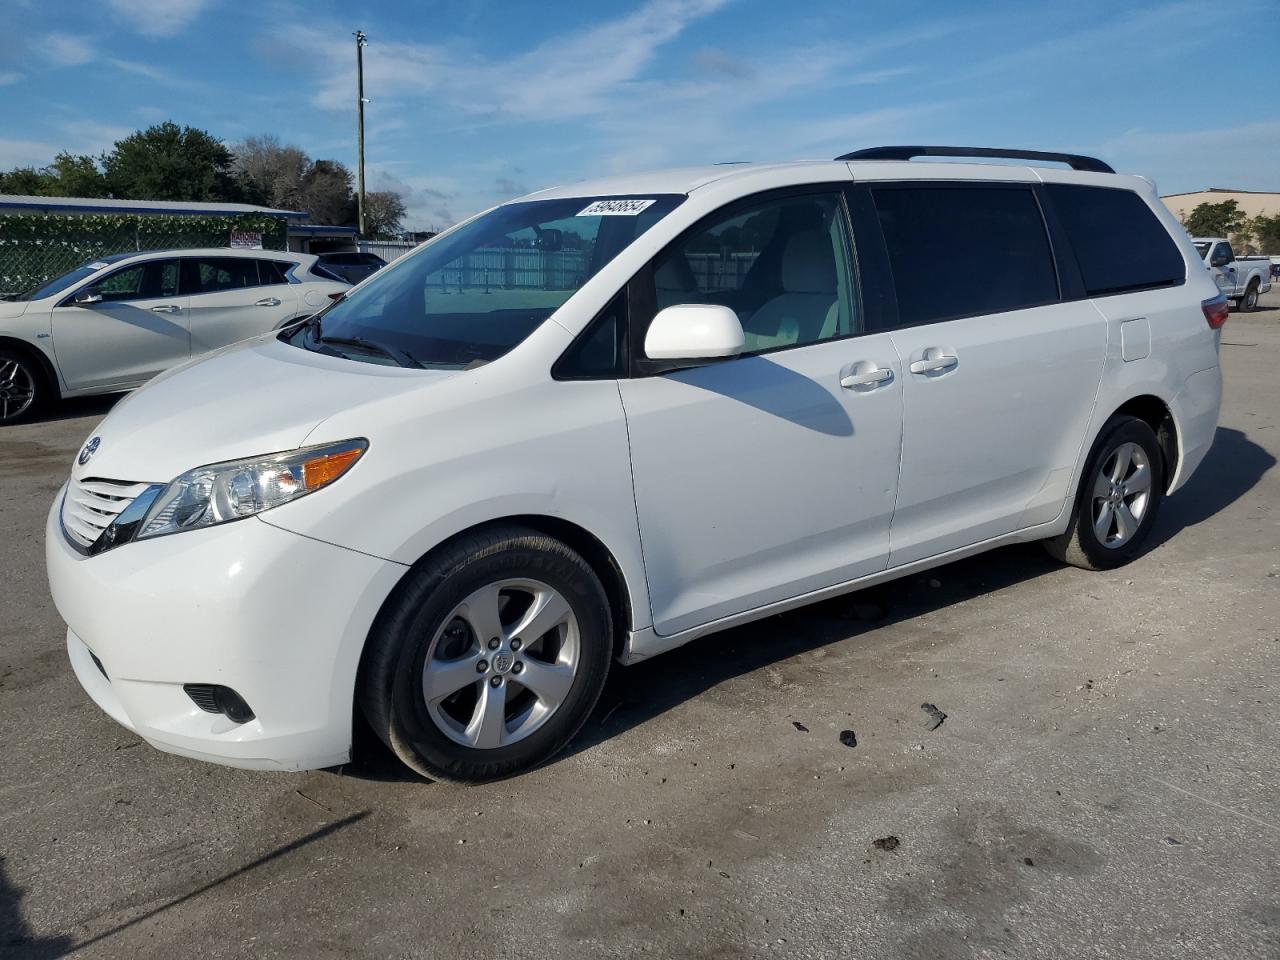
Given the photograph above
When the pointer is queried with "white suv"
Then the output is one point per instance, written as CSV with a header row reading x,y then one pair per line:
x,y
115,322
597,422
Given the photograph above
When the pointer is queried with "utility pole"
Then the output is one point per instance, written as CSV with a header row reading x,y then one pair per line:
x,y
361,41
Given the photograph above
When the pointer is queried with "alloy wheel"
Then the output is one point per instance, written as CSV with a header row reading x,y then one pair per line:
x,y
1121,495
17,389
501,664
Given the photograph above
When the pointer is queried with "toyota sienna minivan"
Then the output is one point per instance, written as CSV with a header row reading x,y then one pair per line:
x,y
594,423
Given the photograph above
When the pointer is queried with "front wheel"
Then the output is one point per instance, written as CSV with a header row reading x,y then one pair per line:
x,y
1120,494
22,387
489,658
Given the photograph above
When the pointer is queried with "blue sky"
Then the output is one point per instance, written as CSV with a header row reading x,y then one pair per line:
x,y
473,102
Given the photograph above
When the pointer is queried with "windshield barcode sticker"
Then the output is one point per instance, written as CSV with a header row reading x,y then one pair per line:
x,y
615,208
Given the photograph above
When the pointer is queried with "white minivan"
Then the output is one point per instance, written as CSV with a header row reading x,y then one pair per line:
x,y
594,423
115,322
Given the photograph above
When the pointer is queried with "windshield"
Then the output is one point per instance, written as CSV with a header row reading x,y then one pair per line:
x,y
477,292
67,280
1202,249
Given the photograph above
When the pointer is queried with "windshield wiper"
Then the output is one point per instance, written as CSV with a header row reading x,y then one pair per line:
x,y
401,357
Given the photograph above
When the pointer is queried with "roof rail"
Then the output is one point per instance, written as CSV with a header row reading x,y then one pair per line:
x,y
1074,160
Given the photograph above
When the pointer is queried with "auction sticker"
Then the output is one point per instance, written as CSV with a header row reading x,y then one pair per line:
x,y
615,208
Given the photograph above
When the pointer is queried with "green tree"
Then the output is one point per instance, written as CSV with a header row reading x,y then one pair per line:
x,y
383,212
1266,230
325,194
74,176
25,181
1214,219
168,162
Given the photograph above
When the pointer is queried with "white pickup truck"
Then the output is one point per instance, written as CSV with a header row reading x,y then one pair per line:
x,y
1240,278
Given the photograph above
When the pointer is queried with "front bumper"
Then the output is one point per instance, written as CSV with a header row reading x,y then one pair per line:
x,y
278,617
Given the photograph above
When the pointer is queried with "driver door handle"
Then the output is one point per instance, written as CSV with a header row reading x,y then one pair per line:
x,y
866,378
167,308
268,302
933,361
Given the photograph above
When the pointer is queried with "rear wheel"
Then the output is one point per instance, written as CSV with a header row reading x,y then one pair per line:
x,y
1249,302
1120,494
22,386
489,658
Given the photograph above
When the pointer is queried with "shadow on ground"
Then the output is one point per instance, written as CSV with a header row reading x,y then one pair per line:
x,y
16,939
78,407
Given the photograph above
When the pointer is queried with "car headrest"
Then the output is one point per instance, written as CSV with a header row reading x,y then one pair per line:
x,y
808,265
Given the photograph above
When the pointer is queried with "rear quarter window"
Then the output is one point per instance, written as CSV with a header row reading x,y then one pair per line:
x,y
1119,242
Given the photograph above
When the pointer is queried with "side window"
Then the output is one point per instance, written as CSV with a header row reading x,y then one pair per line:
x,y
1119,242
781,264
222,273
965,251
273,271
1224,253
598,352
143,281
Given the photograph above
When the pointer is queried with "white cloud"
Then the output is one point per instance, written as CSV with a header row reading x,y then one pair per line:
x,y
159,18
25,153
1240,157
10,77
65,50
571,75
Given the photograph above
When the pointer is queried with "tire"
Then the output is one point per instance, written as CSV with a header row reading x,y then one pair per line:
x,y
440,721
23,387
1099,537
1249,302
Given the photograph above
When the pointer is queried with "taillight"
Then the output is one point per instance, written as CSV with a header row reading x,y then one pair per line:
x,y
1216,311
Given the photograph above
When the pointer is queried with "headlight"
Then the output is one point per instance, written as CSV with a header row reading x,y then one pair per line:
x,y
228,491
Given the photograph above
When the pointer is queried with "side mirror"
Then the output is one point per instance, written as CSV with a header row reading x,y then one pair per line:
x,y
87,296
694,331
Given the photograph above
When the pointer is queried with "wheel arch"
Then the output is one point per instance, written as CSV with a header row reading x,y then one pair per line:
x,y
42,360
1157,414
600,558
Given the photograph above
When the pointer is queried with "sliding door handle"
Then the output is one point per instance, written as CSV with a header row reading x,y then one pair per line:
x,y
934,361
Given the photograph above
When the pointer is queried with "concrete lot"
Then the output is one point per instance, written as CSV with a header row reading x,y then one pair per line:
x,y
1105,783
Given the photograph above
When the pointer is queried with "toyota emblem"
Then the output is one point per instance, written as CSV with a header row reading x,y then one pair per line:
x,y
89,450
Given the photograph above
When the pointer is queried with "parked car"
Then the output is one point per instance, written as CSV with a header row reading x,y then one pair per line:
x,y
448,507
350,267
115,322
1241,279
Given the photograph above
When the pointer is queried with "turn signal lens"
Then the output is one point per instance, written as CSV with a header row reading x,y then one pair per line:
x,y
1216,310
328,467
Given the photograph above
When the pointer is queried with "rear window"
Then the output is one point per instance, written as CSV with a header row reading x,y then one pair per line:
x,y
965,251
1119,242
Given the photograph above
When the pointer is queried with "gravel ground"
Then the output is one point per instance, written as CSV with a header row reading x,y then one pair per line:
x,y
1103,785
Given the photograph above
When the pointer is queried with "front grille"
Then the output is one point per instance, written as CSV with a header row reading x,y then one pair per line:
x,y
92,504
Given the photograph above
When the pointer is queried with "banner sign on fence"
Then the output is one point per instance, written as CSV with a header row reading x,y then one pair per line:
x,y
244,240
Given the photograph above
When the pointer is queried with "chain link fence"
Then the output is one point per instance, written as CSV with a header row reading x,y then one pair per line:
x,y
37,249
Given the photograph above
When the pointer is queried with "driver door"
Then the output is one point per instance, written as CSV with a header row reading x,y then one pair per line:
x,y
137,330
769,475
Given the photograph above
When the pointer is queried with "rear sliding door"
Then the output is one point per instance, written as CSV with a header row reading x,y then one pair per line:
x,y
1000,365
